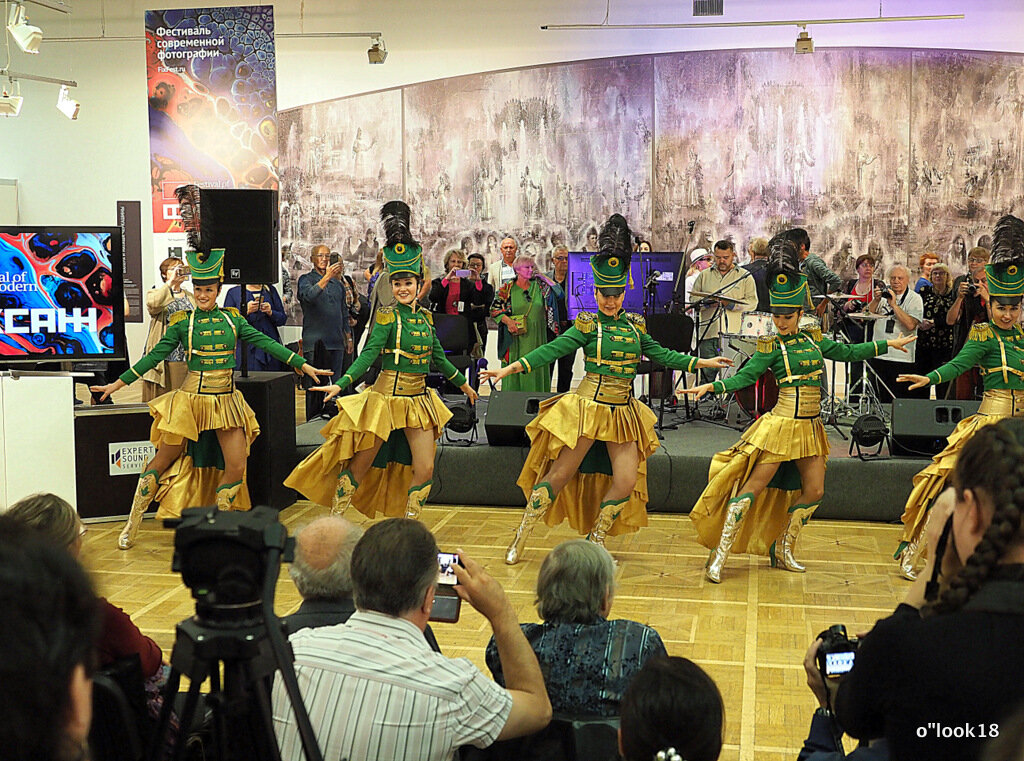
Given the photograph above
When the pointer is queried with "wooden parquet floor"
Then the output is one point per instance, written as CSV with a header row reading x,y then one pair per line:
x,y
750,632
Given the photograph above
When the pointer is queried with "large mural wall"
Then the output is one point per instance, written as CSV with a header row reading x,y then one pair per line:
x,y
893,152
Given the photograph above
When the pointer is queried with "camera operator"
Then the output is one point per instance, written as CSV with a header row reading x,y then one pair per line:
x,y
970,307
937,680
904,310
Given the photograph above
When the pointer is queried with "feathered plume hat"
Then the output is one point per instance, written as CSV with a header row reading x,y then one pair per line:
x,y
787,286
1005,271
207,266
403,255
615,250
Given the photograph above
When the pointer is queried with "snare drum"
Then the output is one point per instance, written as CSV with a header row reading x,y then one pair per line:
x,y
761,397
809,321
757,324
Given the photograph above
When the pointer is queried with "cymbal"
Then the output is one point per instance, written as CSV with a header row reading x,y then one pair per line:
x,y
836,296
868,316
696,296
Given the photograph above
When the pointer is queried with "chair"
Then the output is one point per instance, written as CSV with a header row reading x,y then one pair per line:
x,y
455,334
675,332
119,715
566,738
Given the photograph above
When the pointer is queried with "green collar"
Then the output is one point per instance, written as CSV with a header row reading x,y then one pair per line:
x,y
605,318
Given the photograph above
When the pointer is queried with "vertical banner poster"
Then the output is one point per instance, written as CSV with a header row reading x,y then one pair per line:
x,y
129,219
212,92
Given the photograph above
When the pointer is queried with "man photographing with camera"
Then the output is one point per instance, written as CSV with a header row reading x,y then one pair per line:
x,y
903,310
970,307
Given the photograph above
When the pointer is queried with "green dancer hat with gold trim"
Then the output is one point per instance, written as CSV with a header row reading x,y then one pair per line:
x,y
1005,272
787,286
207,269
611,263
402,254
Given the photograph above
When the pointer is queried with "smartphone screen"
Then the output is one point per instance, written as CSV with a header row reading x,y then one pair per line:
x,y
446,562
837,664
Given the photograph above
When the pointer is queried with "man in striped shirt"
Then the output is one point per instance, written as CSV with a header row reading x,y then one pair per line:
x,y
373,687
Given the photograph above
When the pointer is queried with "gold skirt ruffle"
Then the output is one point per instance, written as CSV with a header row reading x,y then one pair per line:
x,y
560,423
180,416
362,420
930,482
771,438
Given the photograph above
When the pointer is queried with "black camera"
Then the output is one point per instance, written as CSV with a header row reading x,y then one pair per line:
x,y
836,653
885,293
972,289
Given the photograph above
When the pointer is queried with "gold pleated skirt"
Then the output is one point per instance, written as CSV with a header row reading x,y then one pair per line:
x,y
562,421
996,405
362,420
774,437
206,401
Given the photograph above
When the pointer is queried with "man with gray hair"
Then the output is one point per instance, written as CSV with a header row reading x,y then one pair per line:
x,y
903,310
500,272
587,660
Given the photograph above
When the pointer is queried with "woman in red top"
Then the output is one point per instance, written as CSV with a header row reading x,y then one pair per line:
x,y
451,293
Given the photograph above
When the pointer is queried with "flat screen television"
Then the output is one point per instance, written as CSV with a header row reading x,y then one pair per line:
x,y
654,280
61,294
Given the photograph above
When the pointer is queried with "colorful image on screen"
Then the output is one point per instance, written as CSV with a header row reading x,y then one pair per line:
x,y
58,294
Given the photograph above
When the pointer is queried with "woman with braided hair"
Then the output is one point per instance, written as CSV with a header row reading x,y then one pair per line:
x,y
997,349
938,677
773,479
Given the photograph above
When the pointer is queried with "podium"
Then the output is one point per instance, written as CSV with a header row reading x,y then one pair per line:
x,y
37,436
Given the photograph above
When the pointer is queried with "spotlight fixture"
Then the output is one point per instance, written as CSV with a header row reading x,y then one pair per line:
x,y
804,43
10,99
25,35
378,52
66,104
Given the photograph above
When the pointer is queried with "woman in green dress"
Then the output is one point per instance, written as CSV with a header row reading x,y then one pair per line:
x,y
527,315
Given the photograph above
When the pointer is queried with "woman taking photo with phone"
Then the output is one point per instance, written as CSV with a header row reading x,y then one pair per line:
x,y
997,349
379,449
162,303
263,309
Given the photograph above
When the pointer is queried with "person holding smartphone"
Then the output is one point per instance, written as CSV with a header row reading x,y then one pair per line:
x,y
996,348
398,410
162,303
263,309
941,675
453,292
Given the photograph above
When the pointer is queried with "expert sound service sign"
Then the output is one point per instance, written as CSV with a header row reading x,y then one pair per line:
x,y
129,457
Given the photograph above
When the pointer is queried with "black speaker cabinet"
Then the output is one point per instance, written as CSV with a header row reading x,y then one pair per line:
x,y
273,454
244,223
920,426
508,413
111,449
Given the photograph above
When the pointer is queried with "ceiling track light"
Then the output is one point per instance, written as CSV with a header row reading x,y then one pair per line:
x,y
66,104
378,52
10,98
729,24
804,43
26,36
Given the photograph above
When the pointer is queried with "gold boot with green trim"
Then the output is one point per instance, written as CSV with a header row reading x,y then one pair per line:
x,y
781,551
610,511
226,494
734,512
911,551
536,506
344,490
144,493
417,497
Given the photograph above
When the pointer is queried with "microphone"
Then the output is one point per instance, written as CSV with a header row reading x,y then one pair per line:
x,y
652,279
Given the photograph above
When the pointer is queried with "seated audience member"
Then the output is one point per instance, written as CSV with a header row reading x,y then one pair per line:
x,y
57,520
956,661
375,690
671,707
323,575
46,649
587,660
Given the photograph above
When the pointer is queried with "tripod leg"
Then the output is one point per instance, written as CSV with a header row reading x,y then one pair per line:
x,y
184,721
169,691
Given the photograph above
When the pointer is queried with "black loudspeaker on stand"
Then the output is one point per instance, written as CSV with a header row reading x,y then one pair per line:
x,y
508,414
920,426
244,223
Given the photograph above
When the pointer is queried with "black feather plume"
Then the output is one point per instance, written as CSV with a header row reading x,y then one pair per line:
x,y
395,216
1008,240
188,206
615,237
782,256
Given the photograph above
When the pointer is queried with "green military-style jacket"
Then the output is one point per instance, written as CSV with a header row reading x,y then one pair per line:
x,y
611,346
209,340
998,353
406,337
796,360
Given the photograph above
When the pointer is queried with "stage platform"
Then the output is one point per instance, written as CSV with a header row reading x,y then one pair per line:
x,y
481,474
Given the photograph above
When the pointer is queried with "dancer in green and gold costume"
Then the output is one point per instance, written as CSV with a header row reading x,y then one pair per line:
x,y
203,430
763,489
997,348
587,461
379,449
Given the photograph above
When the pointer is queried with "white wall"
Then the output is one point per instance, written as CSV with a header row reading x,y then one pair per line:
x,y
74,172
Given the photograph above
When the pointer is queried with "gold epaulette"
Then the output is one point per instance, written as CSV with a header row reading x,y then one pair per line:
x,y
385,315
814,333
980,331
177,317
231,311
585,322
428,315
766,344
638,320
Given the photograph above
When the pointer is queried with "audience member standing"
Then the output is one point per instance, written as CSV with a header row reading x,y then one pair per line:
x,y
373,687
559,275
935,336
265,312
926,262
501,271
324,319
903,311
969,308
758,269
480,307
161,302
453,292
820,279
722,316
